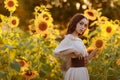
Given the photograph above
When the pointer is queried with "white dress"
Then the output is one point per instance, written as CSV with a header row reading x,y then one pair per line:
x,y
74,73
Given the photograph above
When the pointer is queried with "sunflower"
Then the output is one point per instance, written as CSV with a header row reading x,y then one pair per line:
x,y
13,21
23,64
91,14
52,33
11,5
37,8
41,25
2,18
107,29
98,43
118,62
103,18
117,22
47,16
30,74
32,29
86,32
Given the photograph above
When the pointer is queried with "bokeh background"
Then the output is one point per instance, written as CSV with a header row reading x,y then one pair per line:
x,y
62,10
31,29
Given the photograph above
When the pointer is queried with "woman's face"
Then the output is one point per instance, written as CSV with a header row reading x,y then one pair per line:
x,y
81,26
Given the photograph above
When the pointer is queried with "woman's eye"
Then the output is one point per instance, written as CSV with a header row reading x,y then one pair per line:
x,y
81,23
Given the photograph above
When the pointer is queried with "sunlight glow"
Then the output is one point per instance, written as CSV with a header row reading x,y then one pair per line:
x,y
84,6
77,5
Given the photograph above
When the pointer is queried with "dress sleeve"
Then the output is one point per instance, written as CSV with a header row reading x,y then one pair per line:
x,y
65,44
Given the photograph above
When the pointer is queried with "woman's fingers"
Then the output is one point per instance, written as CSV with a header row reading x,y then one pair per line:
x,y
80,56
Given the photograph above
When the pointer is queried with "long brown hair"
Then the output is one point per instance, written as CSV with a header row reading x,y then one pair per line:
x,y
73,22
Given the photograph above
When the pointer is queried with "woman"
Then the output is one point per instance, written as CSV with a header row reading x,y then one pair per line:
x,y
73,51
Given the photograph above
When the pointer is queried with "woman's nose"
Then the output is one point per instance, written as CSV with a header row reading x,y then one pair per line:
x,y
82,28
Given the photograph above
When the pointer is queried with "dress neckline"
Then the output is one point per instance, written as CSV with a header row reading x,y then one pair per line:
x,y
72,37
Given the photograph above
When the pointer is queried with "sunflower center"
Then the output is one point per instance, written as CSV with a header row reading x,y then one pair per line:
x,y
108,29
10,3
42,26
14,22
29,73
22,63
90,13
99,43
46,16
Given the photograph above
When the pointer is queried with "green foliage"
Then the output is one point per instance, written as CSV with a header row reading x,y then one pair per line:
x,y
15,65
2,74
105,66
34,49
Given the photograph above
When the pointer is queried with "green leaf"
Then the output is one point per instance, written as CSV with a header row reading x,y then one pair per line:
x,y
15,65
2,74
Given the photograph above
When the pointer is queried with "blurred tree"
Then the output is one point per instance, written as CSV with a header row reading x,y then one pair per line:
x,y
110,8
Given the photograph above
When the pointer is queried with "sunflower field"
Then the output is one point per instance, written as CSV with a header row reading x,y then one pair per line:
x,y
28,55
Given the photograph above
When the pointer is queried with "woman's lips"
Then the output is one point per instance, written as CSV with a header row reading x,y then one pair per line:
x,y
81,30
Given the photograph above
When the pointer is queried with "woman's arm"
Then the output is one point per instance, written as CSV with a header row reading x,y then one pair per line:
x,y
68,52
89,57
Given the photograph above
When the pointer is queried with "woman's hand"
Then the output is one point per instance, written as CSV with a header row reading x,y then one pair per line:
x,y
92,53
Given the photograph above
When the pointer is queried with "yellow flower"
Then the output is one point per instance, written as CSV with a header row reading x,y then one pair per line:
x,y
117,22
37,8
98,43
12,54
100,20
86,32
52,33
41,25
91,14
0,30
118,62
103,19
2,17
32,29
47,16
23,64
85,41
30,74
107,29
13,22
11,5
